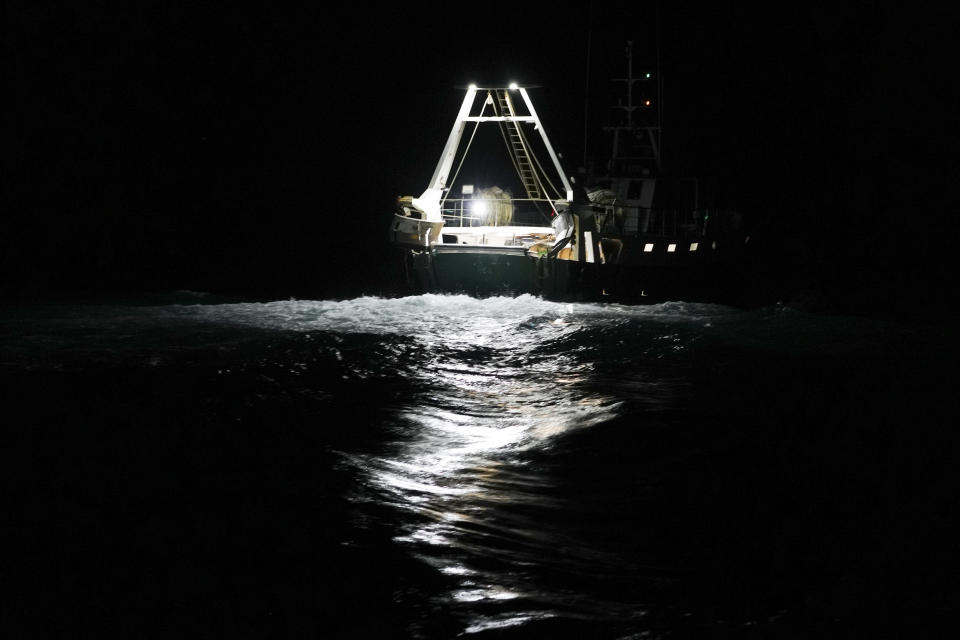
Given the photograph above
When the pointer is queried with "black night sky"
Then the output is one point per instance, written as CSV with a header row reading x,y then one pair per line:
x,y
258,150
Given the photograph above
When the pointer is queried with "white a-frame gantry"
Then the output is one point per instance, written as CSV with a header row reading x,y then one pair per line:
x,y
430,201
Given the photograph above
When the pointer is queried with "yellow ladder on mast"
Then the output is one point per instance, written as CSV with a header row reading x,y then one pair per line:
x,y
517,144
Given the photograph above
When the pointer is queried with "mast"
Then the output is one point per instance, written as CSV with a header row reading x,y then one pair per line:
x,y
636,146
586,88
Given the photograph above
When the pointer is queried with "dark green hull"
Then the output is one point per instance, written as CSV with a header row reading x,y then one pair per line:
x,y
476,271
637,278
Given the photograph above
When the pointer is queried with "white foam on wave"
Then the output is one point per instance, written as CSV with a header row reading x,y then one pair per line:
x,y
428,313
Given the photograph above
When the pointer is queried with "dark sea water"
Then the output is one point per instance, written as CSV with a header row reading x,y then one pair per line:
x,y
443,466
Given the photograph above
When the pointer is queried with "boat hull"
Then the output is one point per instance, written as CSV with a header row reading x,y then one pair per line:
x,y
631,272
684,267
500,271
477,271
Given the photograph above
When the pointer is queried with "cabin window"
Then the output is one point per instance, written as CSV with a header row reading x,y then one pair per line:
x,y
671,248
694,245
647,248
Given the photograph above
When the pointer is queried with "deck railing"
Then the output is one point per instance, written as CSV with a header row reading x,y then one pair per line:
x,y
497,212
620,220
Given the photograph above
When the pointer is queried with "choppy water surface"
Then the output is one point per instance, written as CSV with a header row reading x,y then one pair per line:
x,y
436,466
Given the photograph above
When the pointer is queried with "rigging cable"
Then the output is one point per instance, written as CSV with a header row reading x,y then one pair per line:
x,y
476,125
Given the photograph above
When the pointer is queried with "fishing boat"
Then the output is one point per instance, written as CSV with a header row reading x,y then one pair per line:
x,y
485,241
629,234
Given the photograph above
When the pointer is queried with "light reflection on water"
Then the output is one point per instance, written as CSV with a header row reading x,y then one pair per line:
x,y
492,391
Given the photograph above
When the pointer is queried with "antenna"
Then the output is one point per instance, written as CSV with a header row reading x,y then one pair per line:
x,y
656,40
586,90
